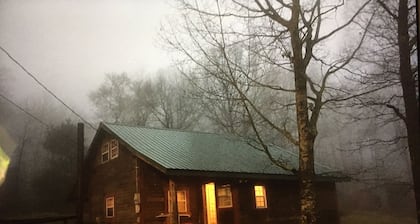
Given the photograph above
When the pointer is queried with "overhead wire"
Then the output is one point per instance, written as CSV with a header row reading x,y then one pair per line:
x,y
23,110
46,88
29,113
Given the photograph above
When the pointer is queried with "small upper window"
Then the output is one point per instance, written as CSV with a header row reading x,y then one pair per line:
x,y
109,207
109,150
105,152
224,197
260,196
181,197
114,148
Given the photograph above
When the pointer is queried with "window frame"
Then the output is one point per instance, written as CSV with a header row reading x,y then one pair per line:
x,y
105,151
109,206
186,207
227,188
113,147
263,196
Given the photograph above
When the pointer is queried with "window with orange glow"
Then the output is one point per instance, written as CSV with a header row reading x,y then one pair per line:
x,y
181,198
224,197
260,196
211,211
109,207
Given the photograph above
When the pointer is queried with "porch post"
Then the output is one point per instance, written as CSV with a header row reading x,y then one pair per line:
x,y
172,203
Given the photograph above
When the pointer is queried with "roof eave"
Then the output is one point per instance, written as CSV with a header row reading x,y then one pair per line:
x,y
261,176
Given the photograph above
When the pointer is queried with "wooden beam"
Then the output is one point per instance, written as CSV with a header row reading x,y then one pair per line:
x,y
172,203
80,156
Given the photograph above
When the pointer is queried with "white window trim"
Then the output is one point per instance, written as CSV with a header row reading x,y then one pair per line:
x,y
107,206
264,196
114,147
219,205
105,150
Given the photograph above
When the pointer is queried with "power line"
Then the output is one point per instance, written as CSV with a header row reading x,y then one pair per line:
x,y
45,88
23,110
28,113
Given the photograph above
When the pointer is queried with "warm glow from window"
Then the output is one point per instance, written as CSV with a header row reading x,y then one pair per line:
x,y
109,207
260,196
211,203
224,197
181,197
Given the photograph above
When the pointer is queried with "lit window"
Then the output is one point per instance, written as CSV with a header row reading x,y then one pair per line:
x,y
211,211
114,148
181,197
224,197
260,197
105,152
109,207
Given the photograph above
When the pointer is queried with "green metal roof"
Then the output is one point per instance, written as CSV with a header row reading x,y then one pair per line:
x,y
195,151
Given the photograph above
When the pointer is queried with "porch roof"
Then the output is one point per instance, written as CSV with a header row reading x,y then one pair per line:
x,y
181,151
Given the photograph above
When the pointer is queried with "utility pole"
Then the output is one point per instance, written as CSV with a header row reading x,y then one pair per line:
x,y
80,156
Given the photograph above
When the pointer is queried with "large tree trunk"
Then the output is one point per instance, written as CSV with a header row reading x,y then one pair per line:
x,y
410,100
306,153
305,132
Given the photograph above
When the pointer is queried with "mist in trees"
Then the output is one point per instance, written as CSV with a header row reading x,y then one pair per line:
x,y
336,81
111,98
395,38
41,175
289,36
166,101
268,72
59,175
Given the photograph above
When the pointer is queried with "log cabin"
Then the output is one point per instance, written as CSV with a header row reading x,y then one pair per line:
x,y
160,176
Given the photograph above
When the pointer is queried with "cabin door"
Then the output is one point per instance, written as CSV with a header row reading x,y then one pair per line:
x,y
209,201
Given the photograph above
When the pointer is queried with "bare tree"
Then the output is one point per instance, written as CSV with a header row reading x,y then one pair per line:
x,y
409,91
54,184
223,104
111,98
221,101
392,46
287,34
142,102
165,102
175,107
17,192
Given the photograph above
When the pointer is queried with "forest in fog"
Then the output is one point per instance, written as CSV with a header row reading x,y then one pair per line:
x,y
244,69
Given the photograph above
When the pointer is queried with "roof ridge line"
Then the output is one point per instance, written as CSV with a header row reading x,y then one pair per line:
x,y
175,130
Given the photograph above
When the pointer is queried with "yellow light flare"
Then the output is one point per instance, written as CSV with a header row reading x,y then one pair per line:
x,y
211,203
6,142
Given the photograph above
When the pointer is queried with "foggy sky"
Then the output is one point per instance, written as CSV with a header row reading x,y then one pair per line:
x,y
70,45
